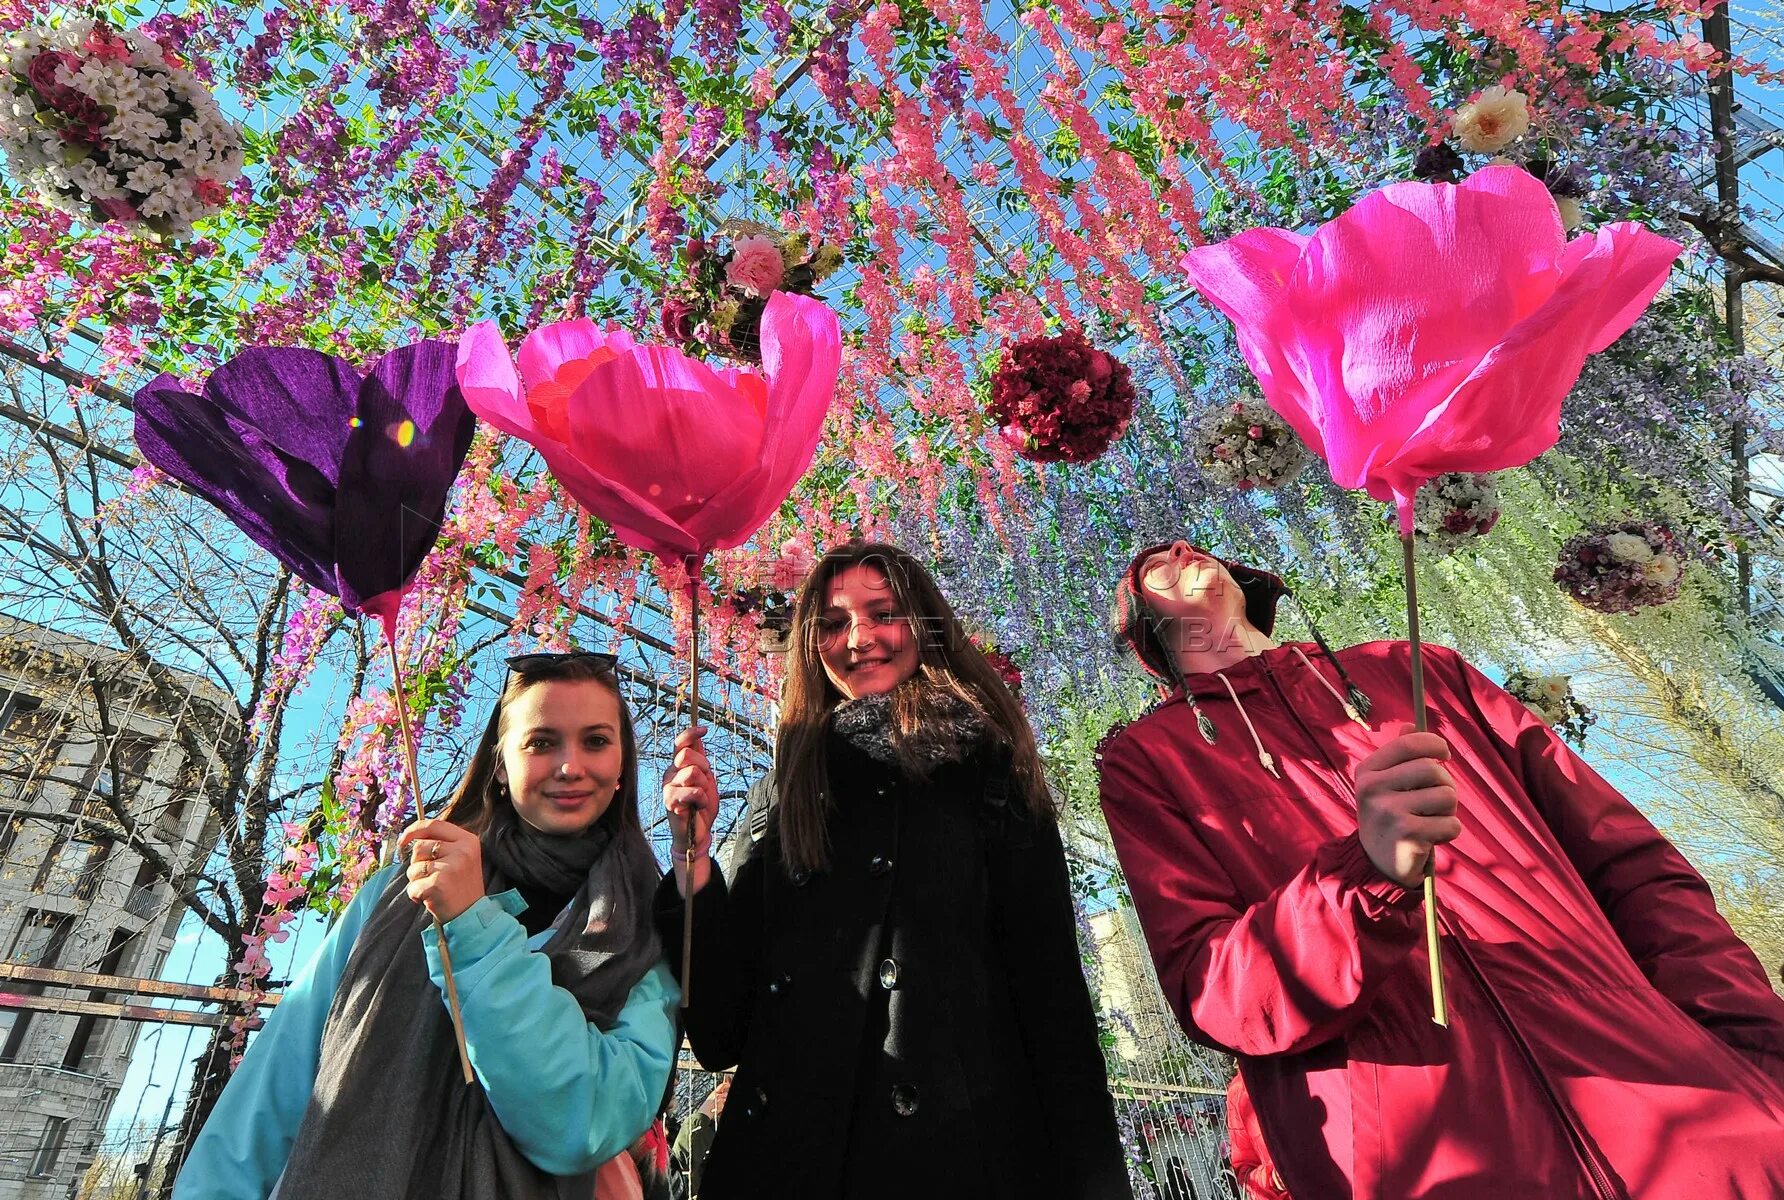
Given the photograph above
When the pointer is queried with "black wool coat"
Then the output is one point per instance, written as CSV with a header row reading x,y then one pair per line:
x,y
913,1022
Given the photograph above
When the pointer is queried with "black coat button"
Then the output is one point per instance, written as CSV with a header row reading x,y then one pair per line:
x,y
800,878
756,1103
889,973
779,984
904,1100
879,864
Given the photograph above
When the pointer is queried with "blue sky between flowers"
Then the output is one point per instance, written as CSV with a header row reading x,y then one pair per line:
x,y
162,1062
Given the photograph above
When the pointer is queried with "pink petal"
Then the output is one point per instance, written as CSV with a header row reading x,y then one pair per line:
x,y
634,520
1246,277
1399,299
802,357
666,429
1508,410
492,389
489,382
546,349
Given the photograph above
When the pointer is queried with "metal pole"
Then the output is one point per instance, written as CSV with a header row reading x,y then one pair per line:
x,y
142,1186
1728,211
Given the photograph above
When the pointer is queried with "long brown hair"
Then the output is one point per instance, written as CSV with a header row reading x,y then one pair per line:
x,y
946,661
480,798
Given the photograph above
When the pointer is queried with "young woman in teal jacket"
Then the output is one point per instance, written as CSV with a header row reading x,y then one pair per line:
x,y
541,874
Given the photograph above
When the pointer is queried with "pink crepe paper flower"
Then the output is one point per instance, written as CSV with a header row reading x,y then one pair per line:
x,y
1433,327
678,457
756,265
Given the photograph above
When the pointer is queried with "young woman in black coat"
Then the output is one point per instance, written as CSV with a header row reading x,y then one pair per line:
x,y
893,970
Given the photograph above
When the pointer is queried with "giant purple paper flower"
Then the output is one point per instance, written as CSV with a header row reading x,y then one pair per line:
x,y
343,479
1433,327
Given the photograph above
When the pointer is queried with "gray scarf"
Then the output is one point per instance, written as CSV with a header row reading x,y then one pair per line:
x,y
390,1117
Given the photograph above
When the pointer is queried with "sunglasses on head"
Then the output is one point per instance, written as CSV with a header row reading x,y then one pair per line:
x,y
533,662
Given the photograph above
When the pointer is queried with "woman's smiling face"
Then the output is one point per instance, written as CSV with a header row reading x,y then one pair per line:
x,y
865,639
561,754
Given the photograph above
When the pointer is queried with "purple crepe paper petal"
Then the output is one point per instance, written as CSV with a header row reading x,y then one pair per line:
x,y
393,495
282,503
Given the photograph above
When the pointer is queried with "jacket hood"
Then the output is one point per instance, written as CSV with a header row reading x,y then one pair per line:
x,y
1133,627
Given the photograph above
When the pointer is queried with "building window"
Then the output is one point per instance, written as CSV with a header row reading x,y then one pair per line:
x,y
75,1057
40,939
9,835
120,770
49,1147
29,741
144,899
74,869
15,709
38,944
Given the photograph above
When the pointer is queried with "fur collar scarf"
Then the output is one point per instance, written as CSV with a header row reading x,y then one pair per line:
x,y
949,730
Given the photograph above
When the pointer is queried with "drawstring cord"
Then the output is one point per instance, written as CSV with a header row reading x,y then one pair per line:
x,y
1359,699
1263,755
1350,710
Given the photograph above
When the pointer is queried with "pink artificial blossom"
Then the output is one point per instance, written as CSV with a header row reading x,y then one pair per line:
x,y
756,265
1433,327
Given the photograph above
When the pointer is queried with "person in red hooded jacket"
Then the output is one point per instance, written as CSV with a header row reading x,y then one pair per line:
x,y
1610,1037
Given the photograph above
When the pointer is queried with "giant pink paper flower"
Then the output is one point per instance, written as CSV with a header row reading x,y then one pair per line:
x,y
1433,327
678,457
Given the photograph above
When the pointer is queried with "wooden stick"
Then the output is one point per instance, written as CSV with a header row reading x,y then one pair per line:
x,y
1433,947
402,718
687,906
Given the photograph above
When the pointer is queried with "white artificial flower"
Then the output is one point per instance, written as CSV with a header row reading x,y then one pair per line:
x,y
1629,547
144,150
1496,119
149,178
1662,570
94,180
93,78
140,130
186,154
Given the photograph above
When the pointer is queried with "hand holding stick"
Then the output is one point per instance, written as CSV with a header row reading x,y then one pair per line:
x,y
1433,947
402,716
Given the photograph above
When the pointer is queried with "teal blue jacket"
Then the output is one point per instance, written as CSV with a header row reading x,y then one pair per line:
x,y
568,1110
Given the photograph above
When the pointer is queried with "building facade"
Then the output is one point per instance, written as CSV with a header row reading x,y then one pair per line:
x,y
94,761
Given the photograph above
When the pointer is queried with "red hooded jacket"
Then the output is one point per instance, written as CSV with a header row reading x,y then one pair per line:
x,y
1610,1036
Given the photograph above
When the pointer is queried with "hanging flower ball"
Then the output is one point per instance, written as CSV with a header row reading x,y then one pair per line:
x,y
722,292
1006,669
112,127
1552,699
1622,567
1060,399
1244,444
1454,509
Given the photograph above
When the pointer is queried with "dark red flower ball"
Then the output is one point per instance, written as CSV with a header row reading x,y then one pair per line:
x,y
1006,669
1060,399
